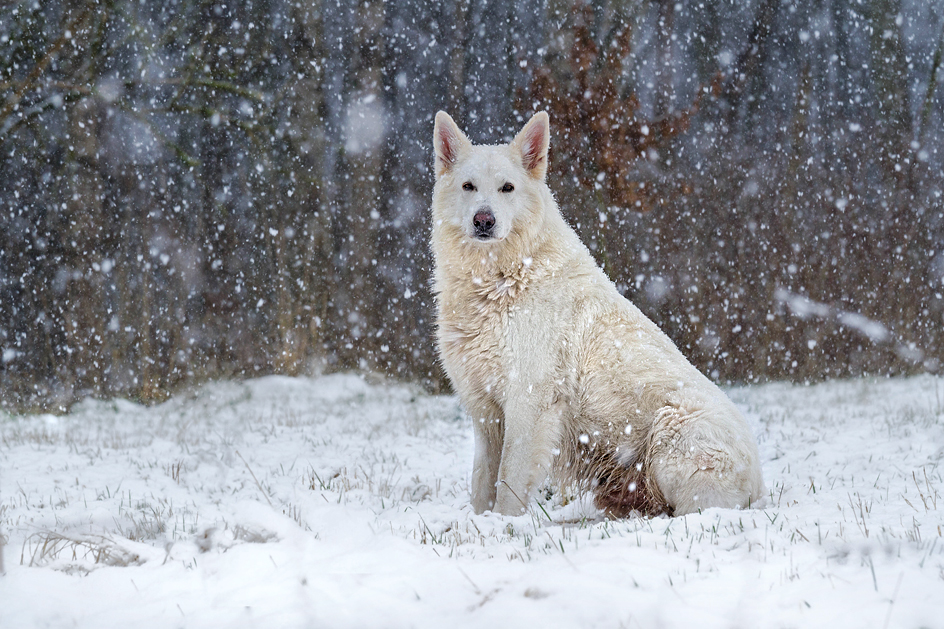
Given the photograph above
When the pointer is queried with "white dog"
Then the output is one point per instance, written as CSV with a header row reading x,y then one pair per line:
x,y
560,373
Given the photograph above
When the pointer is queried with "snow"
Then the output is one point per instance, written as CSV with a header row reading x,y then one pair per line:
x,y
800,305
364,126
805,308
334,502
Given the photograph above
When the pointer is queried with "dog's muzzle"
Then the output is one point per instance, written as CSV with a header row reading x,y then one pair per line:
x,y
483,223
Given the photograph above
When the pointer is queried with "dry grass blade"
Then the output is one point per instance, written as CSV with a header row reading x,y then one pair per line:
x,y
860,517
47,547
920,493
258,484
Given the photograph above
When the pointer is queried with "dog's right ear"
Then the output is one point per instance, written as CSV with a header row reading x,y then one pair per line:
x,y
449,142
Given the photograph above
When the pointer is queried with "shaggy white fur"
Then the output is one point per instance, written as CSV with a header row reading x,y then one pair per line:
x,y
560,373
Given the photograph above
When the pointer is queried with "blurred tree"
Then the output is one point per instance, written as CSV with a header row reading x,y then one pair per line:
x,y
197,189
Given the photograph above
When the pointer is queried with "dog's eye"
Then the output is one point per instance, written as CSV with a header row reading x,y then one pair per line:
x,y
508,188
468,187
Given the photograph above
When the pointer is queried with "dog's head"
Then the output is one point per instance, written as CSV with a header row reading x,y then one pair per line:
x,y
488,193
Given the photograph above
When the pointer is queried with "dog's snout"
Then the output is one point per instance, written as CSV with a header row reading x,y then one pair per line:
x,y
483,222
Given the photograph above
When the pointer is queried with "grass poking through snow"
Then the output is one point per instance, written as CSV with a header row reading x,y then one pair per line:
x,y
360,492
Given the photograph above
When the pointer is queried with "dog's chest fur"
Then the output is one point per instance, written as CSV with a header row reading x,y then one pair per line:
x,y
493,331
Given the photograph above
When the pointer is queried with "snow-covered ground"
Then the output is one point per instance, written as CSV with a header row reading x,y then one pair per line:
x,y
331,502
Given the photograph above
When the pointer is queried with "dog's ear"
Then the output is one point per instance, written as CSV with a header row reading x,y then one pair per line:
x,y
449,141
532,143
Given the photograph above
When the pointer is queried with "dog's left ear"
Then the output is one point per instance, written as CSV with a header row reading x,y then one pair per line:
x,y
532,142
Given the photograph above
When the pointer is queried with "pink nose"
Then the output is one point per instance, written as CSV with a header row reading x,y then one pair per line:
x,y
484,223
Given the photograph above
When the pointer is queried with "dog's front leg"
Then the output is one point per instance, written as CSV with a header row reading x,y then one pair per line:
x,y
527,453
487,424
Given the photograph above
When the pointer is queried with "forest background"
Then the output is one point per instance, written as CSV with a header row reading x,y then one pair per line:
x,y
194,189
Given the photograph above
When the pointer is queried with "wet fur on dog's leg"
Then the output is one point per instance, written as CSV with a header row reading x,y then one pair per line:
x,y
527,454
488,425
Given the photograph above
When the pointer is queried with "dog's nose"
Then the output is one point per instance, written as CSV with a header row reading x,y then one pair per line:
x,y
483,222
